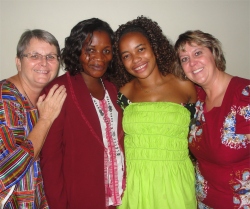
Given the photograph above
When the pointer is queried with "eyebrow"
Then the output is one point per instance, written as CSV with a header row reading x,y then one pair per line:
x,y
94,46
135,48
35,52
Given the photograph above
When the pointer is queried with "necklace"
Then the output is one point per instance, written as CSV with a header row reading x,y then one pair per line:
x,y
108,119
102,87
108,115
147,91
105,97
28,98
26,95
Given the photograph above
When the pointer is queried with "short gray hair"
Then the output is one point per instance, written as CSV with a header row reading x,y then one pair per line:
x,y
38,34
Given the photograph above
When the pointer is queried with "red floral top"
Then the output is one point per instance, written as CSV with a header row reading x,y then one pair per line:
x,y
218,141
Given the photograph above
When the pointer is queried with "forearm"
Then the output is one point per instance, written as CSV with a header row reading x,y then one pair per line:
x,y
49,108
15,157
38,135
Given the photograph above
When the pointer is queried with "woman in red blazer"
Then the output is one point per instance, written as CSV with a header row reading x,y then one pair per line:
x,y
82,159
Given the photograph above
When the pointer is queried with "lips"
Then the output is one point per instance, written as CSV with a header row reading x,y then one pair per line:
x,y
140,67
42,71
97,67
198,70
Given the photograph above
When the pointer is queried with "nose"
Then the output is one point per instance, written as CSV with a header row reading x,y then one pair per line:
x,y
136,58
192,61
43,60
99,56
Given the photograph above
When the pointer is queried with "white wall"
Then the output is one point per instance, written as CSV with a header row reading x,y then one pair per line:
x,y
228,20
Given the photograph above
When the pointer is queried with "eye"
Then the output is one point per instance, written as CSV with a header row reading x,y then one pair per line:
x,y
141,49
184,59
35,56
90,50
126,56
51,57
106,51
198,53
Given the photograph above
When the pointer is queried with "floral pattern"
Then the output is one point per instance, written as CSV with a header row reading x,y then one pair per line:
x,y
217,141
228,136
203,206
201,184
241,188
195,133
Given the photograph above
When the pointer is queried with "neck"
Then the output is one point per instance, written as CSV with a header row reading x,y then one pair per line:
x,y
148,85
218,85
29,92
95,86
216,91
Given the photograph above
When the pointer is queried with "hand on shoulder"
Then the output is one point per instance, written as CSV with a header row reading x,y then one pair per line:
x,y
50,105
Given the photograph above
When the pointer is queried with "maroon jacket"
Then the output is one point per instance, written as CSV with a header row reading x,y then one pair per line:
x,y
72,158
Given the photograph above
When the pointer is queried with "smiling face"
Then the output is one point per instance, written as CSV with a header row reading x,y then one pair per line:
x,y
137,55
96,55
198,63
37,73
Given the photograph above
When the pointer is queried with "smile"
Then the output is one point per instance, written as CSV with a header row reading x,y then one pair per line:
x,y
42,71
198,70
140,67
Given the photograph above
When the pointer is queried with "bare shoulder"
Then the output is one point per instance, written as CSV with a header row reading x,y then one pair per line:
x,y
186,84
187,87
127,88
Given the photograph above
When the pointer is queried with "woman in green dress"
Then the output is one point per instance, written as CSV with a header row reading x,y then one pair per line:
x,y
157,105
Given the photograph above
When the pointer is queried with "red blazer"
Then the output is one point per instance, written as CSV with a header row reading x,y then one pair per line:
x,y
72,158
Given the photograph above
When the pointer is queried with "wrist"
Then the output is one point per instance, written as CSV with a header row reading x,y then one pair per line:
x,y
45,121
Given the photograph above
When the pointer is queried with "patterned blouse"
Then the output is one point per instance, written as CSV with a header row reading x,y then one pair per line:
x,y
20,175
218,141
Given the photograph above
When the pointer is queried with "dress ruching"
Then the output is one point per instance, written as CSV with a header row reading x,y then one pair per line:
x,y
160,174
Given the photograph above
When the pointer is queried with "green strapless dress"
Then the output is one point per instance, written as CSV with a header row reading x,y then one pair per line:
x,y
160,174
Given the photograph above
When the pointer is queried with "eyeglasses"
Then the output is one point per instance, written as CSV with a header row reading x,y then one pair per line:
x,y
39,57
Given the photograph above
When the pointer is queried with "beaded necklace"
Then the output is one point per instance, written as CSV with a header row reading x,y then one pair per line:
x,y
105,109
101,107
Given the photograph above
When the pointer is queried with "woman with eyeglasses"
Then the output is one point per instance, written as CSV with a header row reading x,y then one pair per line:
x,y
82,159
25,119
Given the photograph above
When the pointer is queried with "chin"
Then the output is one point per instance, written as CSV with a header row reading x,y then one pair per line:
x,y
44,82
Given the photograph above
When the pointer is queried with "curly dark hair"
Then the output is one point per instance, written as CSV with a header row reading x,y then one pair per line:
x,y
161,46
74,43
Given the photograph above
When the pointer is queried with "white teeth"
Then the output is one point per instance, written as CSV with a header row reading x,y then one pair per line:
x,y
198,70
42,71
142,66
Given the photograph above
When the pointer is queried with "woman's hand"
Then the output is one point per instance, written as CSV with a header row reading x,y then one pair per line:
x,y
50,106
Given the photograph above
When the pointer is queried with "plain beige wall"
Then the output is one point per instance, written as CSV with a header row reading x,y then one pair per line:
x,y
228,20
